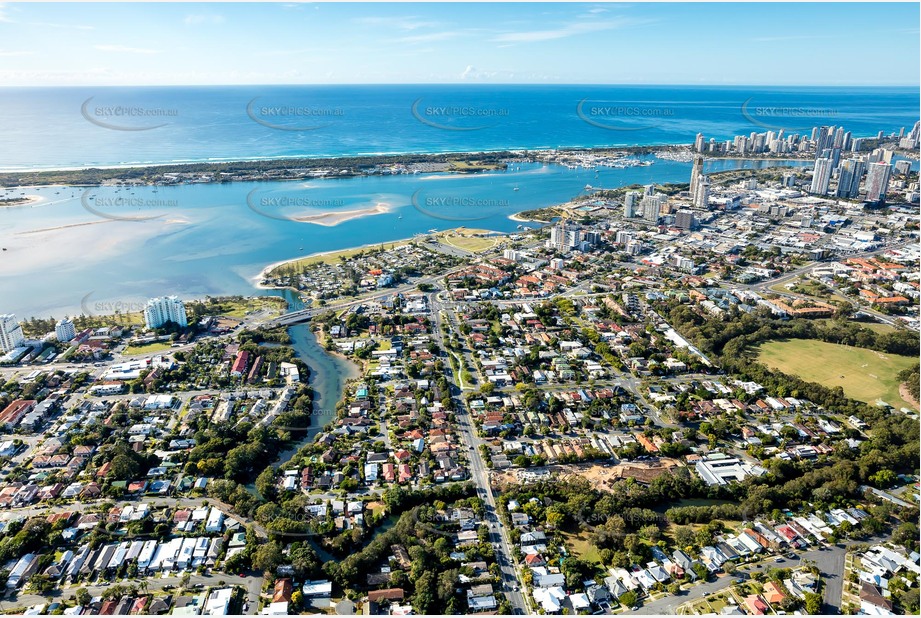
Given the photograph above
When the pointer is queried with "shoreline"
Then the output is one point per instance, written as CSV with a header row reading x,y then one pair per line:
x,y
26,200
305,167
265,271
334,218
333,157
257,280
518,218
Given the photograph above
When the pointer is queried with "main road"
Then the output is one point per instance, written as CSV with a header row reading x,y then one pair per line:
x,y
479,473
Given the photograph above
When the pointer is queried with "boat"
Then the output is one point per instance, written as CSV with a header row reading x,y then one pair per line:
x,y
514,188
589,187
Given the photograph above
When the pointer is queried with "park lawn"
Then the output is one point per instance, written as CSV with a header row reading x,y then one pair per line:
x,y
243,307
147,348
718,602
582,547
877,327
467,239
865,375
808,288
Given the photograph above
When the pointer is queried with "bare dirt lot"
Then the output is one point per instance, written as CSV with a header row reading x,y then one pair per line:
x,y
601,476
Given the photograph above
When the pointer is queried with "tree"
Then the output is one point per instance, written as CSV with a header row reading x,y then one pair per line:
x,y
83,596
700,570
267,557
684,536
628,599
813,603
883,479
423,600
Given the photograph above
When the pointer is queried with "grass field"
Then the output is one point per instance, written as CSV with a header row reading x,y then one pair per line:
x,y
147,348
808,287
878,328
582,547
241,308
469,243
865,375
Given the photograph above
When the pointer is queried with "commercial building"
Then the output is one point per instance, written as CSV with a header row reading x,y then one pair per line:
x,y
721,469
821,176
851,171
64,330
11,336
685,220
159,311
878,181
630,204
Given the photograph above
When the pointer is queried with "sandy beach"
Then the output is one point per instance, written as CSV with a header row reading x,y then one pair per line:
x,y
520,219
329,219
23,200
257,280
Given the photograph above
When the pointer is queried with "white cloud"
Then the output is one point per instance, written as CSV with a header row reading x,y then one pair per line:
x,y
400,23
199,19
45,24
567,30
471,73
431,37
122,49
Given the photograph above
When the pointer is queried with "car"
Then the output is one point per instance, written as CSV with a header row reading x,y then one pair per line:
x,y
738,580
778,559
792,556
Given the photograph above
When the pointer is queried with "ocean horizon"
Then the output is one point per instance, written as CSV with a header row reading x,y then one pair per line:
x,y
78,127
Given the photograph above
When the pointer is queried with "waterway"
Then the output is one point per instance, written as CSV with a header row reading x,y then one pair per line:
x,y
328,376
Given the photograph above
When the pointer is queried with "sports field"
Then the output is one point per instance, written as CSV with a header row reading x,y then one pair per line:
x,y
865,375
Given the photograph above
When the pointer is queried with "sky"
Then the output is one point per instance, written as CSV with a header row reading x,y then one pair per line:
x,y
75,44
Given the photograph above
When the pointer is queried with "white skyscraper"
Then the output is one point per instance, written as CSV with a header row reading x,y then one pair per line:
x,y
64,330
702,196
877,181
159,311
821,176
10,333
696,171
652,206
630,204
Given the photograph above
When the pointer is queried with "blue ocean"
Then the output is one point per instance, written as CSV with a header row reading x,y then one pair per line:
x,y
78,127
